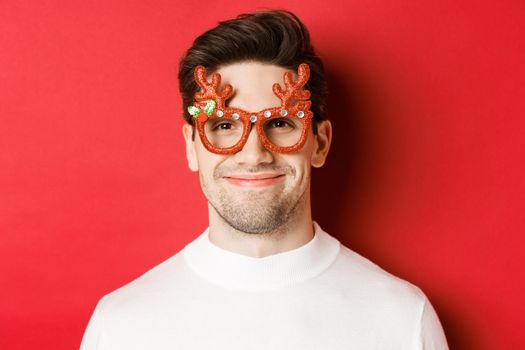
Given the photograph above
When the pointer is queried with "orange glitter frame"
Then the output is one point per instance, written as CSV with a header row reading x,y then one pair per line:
x,y
210,103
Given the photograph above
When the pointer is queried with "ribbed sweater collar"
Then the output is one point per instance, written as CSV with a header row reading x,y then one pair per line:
x,y
236,271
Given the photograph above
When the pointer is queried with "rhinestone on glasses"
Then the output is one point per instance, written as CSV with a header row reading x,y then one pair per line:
x,y
235,116
300,114
219,113
267,114
253,118
283,113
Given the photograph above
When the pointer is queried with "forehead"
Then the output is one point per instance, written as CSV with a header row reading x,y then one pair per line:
x,y
252,84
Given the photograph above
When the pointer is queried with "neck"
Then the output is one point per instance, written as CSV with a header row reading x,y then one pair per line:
x,y
296,232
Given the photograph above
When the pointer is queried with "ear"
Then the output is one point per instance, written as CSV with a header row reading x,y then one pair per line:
x,y
191,154
322,143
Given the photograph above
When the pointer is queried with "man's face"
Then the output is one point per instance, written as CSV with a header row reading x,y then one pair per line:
x,y
255,190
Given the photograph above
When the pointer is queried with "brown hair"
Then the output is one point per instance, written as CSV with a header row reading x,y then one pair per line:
x,y
271,36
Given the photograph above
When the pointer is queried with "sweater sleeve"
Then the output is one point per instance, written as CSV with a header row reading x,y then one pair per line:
x,y
92,335
431,335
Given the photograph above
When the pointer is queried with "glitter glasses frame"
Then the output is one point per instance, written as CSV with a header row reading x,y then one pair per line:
x,y
210,104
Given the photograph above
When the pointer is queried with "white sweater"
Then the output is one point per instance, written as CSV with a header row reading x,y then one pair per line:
x,y
321,295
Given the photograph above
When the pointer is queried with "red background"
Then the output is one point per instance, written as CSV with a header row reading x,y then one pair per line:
x,y
425,177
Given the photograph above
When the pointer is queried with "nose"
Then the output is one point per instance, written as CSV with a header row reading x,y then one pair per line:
x,y
253,152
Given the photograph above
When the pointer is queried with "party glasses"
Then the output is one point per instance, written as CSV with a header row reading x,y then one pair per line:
x,y
224,130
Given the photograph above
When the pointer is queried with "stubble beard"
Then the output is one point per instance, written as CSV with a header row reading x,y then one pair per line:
x,y
255,212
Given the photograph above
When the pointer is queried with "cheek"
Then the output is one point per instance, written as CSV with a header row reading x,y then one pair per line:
x,y
300,162
304,161
208,163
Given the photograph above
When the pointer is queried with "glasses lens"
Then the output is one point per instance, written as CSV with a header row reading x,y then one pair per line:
x,y
223,132
283,132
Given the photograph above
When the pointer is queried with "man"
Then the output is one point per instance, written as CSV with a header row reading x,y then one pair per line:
x,y
263,275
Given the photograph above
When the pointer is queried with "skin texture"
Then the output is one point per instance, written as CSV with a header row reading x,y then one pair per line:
x,y
257,218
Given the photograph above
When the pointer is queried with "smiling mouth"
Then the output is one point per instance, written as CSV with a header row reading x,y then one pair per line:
x,y
255,180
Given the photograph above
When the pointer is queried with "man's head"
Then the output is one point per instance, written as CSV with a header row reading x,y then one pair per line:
x,y
251,53
273,37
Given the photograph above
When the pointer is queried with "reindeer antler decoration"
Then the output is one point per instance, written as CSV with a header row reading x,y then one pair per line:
x,y
294,91
209,97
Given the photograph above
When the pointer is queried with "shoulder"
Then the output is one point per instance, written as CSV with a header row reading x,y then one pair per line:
x,y
162,281
135,304
365,278
379,296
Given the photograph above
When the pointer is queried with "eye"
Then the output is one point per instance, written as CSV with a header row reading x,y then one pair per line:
x,y
222,126
280,123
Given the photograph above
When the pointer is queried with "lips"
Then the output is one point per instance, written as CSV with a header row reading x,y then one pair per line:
x,y
253,176
254,180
